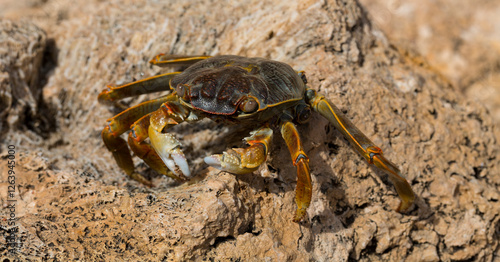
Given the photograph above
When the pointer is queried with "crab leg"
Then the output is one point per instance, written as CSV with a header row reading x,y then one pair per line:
x,y
303,191
371,153
164,60
145,86
165,144
151,84
244,160
119,125
144,150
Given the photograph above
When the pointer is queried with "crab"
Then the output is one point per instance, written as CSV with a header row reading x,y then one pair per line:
x,y
247,91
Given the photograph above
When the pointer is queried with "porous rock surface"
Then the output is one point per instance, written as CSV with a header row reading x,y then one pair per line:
x,y
21,52
459,39
73,202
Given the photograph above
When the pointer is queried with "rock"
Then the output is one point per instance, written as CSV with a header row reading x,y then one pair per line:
x,y
22,46
74,203
424,253
457,38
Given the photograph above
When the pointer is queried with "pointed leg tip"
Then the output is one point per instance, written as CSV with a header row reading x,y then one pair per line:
x,y
141,179
156,59
299,215
404,206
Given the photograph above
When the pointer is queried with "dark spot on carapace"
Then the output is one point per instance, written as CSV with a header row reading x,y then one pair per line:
x,y
232,85
209,85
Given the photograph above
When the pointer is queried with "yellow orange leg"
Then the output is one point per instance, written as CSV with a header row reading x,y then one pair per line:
x,y
303,192
119,125
151,84
164,60
363,145
118,147
244,160
145,86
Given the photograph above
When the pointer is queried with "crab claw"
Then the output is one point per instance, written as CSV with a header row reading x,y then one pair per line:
x,y
244,160
229,161
214,161
168,148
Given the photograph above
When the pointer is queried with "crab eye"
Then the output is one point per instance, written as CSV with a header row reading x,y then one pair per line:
x,y
182,90
304,114
302,76
249,105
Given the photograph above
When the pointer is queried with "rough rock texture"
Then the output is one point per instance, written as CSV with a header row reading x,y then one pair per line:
x,y
73,203
459,39
21,53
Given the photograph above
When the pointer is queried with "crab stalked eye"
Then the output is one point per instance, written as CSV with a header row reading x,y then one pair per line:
x,y
249,105
302,76
303,113
304,116
182,90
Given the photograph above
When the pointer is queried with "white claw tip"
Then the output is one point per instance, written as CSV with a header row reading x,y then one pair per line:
x,y
180,161
213,161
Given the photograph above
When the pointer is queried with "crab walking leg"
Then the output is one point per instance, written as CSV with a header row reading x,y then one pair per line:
x,y
244,160
145,86
165,144
365,147
164,60
119,125
303,192
144,150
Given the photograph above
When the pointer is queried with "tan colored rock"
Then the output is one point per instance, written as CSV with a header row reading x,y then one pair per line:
x,y
459,39
74,203
21,51
425,236
424,253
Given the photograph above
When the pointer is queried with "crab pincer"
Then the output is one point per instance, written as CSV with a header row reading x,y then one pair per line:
x,y
165,144
168,148
244,160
